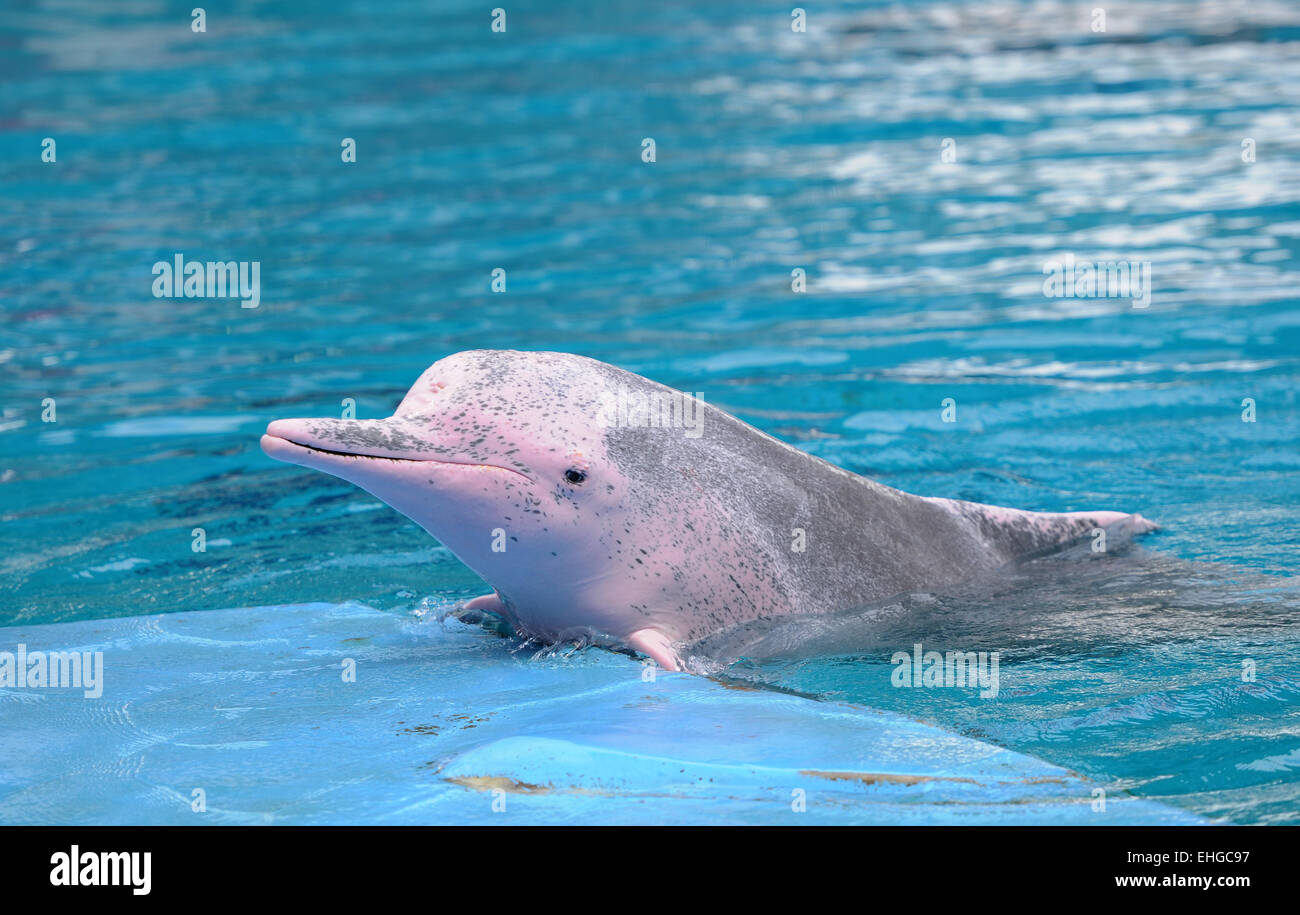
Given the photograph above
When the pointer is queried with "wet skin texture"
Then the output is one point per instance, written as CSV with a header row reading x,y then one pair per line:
x,y
644,535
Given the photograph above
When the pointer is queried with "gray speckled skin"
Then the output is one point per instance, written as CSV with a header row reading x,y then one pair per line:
x,y
666,533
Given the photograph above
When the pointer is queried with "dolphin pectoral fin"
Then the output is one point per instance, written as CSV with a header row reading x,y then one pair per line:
x,y
488,603
654,643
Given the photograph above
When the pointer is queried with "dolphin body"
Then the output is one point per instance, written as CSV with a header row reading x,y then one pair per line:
x,y
589,523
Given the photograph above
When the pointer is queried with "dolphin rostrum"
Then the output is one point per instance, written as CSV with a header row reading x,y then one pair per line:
x,y
600,504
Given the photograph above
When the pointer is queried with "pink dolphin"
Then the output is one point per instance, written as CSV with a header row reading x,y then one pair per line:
x,y
593,513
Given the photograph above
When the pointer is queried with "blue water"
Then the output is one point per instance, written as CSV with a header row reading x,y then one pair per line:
x,y
775,151
244,717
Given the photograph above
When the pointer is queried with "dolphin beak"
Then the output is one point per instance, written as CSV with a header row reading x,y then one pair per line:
x,y
341,446
315,442
283,449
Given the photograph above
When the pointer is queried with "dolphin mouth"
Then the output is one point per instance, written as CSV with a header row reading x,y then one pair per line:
x,y
271,444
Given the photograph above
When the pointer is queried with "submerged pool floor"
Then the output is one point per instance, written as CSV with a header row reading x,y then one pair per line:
x,y
246,716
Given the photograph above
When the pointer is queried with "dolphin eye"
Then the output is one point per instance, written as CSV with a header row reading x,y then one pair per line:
x,y
575,476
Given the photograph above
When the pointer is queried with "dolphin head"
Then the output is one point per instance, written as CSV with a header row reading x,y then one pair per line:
x,y
502,457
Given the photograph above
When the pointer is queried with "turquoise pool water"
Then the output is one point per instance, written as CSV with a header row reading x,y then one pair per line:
x,y
775,150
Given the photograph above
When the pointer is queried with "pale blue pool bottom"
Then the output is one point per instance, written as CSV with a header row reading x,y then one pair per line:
x,y
446,723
